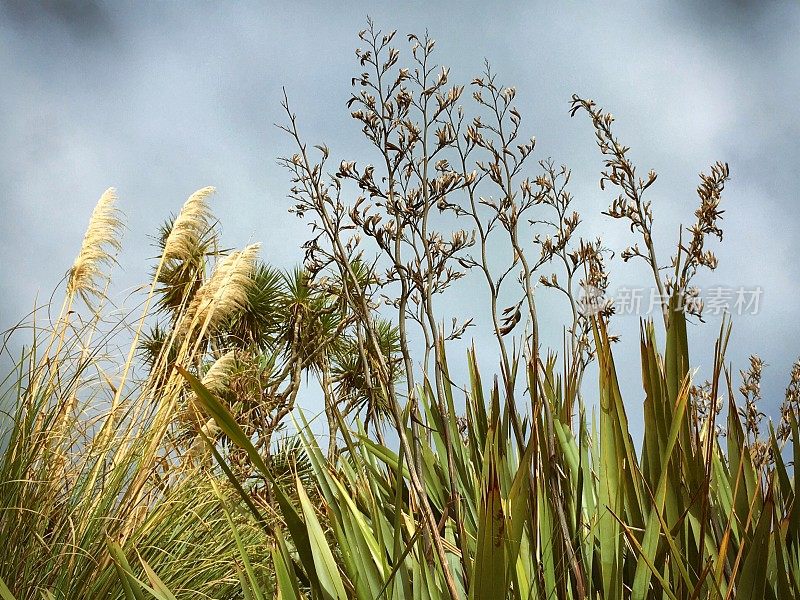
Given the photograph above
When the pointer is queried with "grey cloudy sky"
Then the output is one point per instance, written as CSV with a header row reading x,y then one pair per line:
x,y
160,98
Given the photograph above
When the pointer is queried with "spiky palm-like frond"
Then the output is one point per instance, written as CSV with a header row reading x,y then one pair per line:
x,y
349,371
310,319
182,273
261,322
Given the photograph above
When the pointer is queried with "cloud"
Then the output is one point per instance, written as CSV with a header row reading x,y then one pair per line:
x,y
84,20
159,100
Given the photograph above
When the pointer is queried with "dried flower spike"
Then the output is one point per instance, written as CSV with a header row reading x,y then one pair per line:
x,y
191,224
101,240
218,374
224,293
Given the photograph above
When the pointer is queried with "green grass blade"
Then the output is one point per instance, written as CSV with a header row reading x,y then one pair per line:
x,y
5,593
228,424
489,573
331,584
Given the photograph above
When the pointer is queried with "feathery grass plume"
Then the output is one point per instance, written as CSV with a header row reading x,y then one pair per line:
x,y
191,224
215,380
180,243
102,238
218,375
224,293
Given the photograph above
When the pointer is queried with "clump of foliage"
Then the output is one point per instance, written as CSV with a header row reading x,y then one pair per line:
x,y
87,475
527,484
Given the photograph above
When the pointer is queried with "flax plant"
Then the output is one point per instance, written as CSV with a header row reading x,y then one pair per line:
x,y
505,501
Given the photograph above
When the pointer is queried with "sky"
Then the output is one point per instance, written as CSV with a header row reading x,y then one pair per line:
x,y
159,99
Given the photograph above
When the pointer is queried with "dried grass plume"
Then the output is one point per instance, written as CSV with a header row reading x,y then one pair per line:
x,y
100,242
191,224
218,375
225,293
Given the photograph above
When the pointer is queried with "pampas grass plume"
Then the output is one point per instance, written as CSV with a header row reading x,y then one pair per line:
x,y
218,375
191,224
100,242
225,293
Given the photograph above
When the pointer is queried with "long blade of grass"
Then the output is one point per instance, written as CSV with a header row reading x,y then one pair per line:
x,y
331,584
228,424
